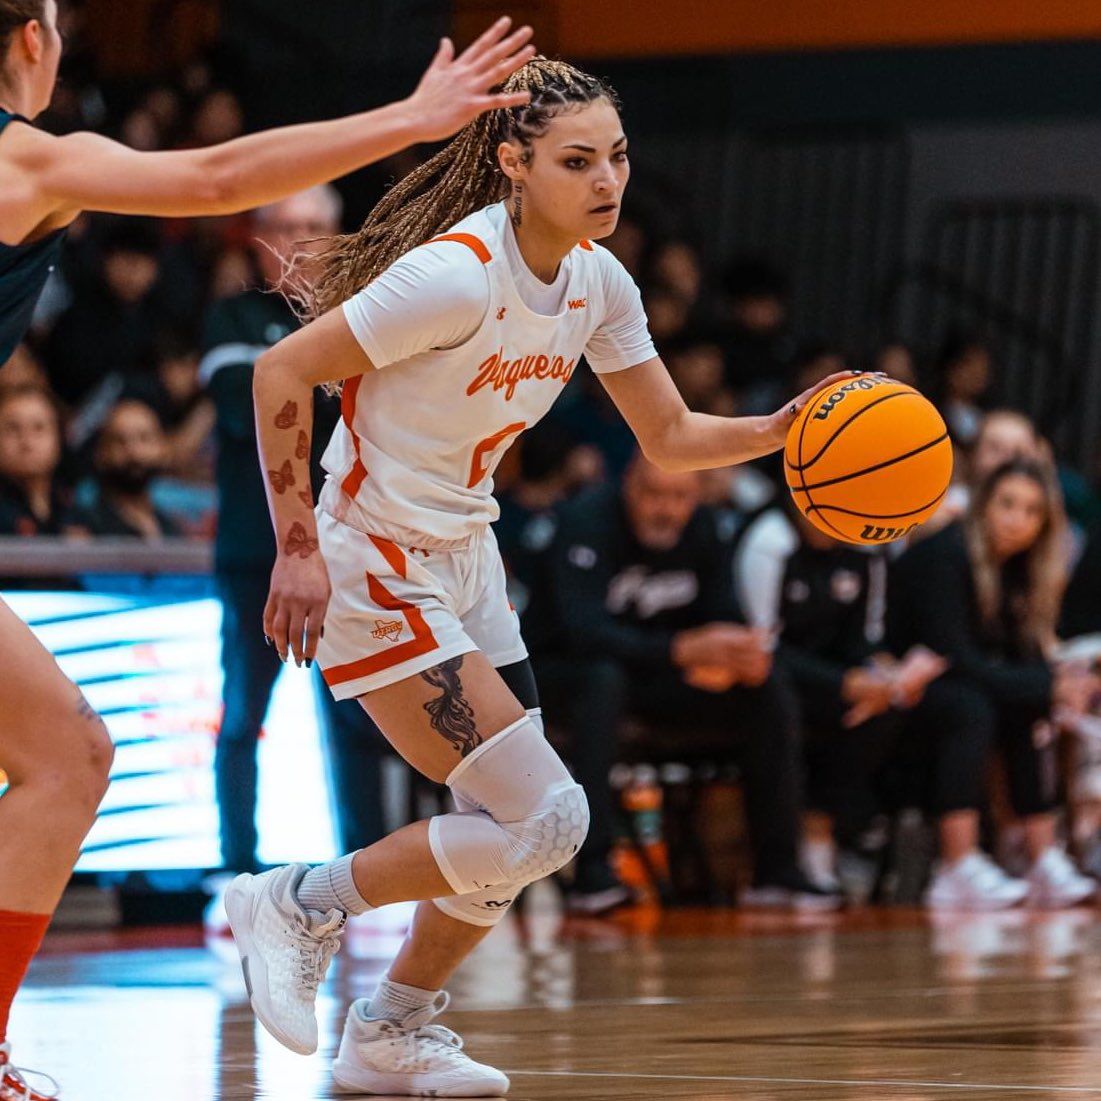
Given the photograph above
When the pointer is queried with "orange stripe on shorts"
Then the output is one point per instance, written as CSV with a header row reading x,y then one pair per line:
x,y
422,642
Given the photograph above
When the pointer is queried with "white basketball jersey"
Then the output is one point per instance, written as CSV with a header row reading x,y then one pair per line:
x,y
419,440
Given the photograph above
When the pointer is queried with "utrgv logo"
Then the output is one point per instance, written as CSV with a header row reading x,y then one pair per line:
x,y
507,374
388,629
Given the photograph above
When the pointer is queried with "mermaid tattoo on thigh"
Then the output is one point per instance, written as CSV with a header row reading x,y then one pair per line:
x,y
450,714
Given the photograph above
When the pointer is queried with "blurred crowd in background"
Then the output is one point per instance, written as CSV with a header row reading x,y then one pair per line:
x,y
693,637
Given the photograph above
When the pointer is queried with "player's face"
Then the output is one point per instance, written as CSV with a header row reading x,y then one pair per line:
x,y
1015,515
30,445
575,179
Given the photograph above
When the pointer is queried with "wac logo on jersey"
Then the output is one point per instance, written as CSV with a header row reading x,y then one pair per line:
x,y
507,374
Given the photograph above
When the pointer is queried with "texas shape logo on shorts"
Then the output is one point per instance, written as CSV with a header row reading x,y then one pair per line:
x,y
387,629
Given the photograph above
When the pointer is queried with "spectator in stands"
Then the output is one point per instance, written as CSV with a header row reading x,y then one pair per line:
x,y
553,467
894,359
1081,612
588,415
629,244
984,594
130,451
1003,435
110,328
696,365
634,614
675,266
962,384
666,312
827,601
238,329
23,370
32,500
174,392
754,300
816,361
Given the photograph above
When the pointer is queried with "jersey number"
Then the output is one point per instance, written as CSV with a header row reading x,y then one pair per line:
x,y
488,451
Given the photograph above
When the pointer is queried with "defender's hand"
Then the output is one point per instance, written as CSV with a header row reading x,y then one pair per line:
x,y
456,90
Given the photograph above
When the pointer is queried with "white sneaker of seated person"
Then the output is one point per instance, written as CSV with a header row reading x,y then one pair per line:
x,y
974,882
1054,882
410,1058
285,952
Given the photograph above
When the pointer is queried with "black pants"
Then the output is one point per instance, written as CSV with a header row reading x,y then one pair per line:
x,y
844,766
953,732
354,746
755,727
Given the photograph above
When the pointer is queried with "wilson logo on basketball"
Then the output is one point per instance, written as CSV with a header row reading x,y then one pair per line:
x,y
506,374
874,534
387,630
578,303
840,393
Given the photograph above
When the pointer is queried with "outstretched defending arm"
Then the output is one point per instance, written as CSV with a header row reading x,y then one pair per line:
x,y
85,171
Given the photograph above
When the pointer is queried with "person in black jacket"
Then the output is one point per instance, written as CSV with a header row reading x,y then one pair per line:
x,y
985,595
1081,614
238,329
635,614
827,601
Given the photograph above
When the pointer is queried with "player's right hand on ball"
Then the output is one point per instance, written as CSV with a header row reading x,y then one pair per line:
x,y
294,615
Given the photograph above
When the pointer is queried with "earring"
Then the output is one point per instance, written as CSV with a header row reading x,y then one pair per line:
x,y
518,206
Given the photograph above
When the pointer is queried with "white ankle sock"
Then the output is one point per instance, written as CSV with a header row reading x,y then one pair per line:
x,y
394,1001
331,887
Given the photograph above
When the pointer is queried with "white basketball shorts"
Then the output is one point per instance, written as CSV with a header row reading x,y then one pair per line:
x,y
398,610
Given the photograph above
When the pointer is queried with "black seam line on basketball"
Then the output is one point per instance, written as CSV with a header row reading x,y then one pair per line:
x,y
845,424
877,466
803,478
873,516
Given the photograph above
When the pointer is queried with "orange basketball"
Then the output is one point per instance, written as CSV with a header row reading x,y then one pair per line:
x,y
868,460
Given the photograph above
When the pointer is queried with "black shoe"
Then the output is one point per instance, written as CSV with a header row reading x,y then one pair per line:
x,y
790,891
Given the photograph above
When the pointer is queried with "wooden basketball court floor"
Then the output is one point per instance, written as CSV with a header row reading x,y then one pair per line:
x,y
701,1005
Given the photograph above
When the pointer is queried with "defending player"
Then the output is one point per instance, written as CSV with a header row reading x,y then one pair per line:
x,y
53,746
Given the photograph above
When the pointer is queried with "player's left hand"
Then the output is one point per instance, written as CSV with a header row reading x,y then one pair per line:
x,y
456,90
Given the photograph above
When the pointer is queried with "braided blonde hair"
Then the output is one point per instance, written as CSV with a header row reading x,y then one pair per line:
x,y
460,179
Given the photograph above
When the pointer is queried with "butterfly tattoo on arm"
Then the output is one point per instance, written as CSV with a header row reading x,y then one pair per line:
x,y
287,417
298,542
283,478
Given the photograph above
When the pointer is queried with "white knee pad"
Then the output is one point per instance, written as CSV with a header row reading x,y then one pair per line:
x,y
524,819
486,907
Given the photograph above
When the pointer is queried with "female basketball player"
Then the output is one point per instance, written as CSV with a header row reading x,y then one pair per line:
x,y
53,747
448,351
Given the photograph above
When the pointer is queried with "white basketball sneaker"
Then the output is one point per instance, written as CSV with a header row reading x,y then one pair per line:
x,y
974,882
285,952
412,1058
1054,882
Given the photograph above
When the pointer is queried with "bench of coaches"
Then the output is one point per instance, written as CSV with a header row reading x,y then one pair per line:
x,y
633,613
